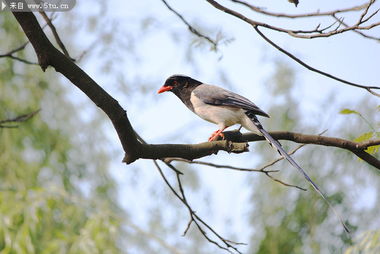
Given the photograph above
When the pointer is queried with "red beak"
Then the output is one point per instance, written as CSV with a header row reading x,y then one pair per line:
x,y
164,89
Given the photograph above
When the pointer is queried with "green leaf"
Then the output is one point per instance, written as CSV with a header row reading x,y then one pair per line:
x,y
364,137
372,149
347,111
367,136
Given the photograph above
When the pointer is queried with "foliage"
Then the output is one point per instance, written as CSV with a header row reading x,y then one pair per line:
x,y
367,243
49,190
291,221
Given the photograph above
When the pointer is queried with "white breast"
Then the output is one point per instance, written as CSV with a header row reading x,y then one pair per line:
x,y
223,116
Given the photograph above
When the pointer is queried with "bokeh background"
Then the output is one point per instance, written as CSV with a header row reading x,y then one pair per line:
x,y
64,189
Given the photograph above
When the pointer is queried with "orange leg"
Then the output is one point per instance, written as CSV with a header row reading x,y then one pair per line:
x,y
215,134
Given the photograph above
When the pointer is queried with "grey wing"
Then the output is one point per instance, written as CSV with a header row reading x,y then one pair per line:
x,y
214,95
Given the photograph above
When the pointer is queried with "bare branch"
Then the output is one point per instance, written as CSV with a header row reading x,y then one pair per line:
x,y
257,24
55,34
190,27
357,148
364,13
368,88
11,55
303,34
194,217
18,119
222,166
355,30
48,55
306,15
262,169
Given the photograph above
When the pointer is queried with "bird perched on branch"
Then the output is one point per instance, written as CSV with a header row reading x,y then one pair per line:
x,y
225,108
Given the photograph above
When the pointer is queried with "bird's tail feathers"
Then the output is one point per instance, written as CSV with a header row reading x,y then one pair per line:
x,y
276,145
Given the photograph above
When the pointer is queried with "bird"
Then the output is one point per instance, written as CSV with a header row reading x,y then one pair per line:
x,y
225,108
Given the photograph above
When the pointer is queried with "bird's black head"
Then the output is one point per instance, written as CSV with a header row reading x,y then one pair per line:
x,y
177,83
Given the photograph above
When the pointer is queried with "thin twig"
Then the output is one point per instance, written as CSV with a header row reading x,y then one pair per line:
x,y
356,31
21,47
305,15
222,166
262,169
17,119
190,27
256,25
56,35
13,51
368,88
193,217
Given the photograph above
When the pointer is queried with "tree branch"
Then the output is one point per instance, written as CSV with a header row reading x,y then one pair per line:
x,y
256,25
357,148
309,67
303,34
305,15
185,151
48,55
191,28
17,119
55,34
11,55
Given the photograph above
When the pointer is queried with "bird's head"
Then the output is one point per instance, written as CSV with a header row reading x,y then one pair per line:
x,y
177,83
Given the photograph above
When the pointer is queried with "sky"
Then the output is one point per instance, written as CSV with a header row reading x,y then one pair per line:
x,y
247,63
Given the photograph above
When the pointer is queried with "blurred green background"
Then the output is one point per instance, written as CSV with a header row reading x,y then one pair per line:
x,y
64,190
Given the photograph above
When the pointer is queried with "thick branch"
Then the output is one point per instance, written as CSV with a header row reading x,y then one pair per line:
x,y
48,55
357,148
189,152
55,34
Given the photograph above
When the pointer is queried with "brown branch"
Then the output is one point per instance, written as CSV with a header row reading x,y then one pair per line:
x,y
303,34
194,218
190,152
204,163
55,34
256,26
17,119
11,55
309,67
357,148
356,31
48,55
190,27
262,169
305,15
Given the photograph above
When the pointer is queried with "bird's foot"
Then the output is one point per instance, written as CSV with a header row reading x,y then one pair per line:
x,y
215,135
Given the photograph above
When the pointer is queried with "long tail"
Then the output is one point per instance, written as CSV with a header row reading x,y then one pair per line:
x,y
275,144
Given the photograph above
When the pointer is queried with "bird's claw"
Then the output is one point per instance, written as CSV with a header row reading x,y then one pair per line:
x,y
215,135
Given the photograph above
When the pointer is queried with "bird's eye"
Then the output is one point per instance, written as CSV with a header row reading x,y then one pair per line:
x,y
175,82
